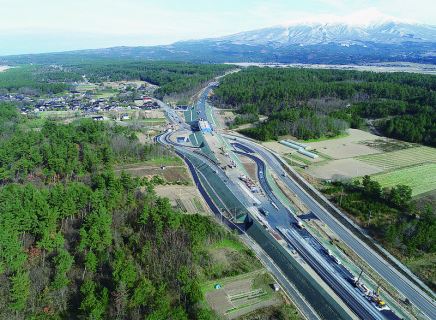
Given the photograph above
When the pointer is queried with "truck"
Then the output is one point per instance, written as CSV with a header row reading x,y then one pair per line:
x,y
335,259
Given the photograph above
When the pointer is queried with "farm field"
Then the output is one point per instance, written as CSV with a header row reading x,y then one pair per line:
x,y
421,178
401,158
242,294
342,169
184,198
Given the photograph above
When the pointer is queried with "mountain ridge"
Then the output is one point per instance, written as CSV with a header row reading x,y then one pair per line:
x,y
348,30
355,39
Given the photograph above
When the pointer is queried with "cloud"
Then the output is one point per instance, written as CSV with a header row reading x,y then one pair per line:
x,y
421,10
162,22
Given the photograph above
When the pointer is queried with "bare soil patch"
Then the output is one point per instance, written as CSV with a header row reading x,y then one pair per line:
x,y
3,68
186,194
219,116
176,174
249,166
387,145
355,135
239,297
275,146
343,169
296,203
349,150
227,116
142,138
426,198
146,169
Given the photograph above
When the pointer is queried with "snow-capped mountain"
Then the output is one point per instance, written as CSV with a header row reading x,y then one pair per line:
x,y
358,28
364,37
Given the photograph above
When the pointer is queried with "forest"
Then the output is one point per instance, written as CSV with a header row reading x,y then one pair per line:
x,y
67,151
170,76
80,241
41,79
315,103
393,217
103,251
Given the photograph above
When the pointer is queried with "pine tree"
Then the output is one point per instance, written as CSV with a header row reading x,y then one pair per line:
x,y
64,261
20,290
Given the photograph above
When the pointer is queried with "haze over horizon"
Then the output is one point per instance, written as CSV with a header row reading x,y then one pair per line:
x,y
51,26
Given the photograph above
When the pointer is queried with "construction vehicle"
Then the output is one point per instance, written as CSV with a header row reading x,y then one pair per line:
x,y
250,184
372,296
375,299
300,224
223,148
360,285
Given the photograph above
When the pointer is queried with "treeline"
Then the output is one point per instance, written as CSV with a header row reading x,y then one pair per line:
x,y
171,76
42,79
392,215
106,251
9,119
66,151
302,122
407,99
272,88
78,240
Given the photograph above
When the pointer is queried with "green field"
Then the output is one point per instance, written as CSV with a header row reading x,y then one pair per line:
x,y
421,178
153,120
401,158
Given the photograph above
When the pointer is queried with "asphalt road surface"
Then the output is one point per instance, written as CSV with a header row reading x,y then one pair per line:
x,y
409,290
421,300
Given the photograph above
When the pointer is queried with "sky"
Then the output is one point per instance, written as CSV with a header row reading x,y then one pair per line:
x,y
38,26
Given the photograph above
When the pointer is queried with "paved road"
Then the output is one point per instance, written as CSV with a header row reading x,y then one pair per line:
x,y
174,116
234,188
301,304
342,288
389,273
201,104
277,167
335,275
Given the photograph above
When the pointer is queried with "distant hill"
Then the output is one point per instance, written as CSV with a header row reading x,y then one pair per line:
x,y
322,39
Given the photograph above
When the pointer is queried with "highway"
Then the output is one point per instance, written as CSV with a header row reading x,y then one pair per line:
x,y
186,154
334,275
342,288
386,271
265,159
350,296
174,116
